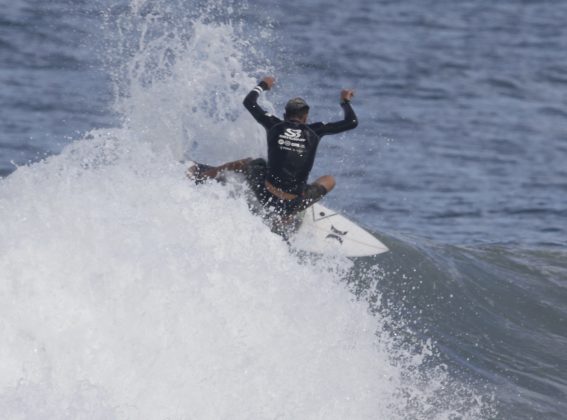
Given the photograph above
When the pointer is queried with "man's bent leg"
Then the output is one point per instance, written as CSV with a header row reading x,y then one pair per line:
x,y
194,172
235,166
313,193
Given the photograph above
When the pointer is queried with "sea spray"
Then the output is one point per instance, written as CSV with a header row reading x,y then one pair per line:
x,y
128,292
180,79
170,300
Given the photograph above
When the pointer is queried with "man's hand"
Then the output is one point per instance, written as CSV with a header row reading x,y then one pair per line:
x,y
346,95
269,80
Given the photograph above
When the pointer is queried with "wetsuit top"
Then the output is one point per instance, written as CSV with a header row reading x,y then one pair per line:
x,y
292,145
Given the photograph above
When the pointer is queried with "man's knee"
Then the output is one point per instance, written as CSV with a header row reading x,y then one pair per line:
x,y
327,181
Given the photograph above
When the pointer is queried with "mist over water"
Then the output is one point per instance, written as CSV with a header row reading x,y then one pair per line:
x,y
126,292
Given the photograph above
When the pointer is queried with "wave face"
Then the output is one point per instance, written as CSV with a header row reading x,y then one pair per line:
x,y
496,314
128,293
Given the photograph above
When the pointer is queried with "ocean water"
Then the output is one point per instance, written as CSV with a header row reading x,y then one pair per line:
x,y
128,293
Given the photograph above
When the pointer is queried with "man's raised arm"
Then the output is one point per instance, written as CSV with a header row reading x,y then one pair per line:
x,y
251,103
348,123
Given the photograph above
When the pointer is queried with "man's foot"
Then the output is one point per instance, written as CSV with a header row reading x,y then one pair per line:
x,y
197,173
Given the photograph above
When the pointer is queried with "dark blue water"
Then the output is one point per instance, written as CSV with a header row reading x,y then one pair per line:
x,y
53,85
459,157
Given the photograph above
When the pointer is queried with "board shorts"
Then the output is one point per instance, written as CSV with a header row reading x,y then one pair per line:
x,y
256,172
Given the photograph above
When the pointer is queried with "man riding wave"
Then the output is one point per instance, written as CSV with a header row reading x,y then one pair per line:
x,y
281,184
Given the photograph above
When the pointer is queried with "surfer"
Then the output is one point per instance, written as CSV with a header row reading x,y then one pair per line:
x,y
280,184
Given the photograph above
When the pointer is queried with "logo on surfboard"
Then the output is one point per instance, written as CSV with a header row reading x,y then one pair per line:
x,y
336,234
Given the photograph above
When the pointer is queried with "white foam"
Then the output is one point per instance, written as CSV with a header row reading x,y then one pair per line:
x,y
170,299
128,293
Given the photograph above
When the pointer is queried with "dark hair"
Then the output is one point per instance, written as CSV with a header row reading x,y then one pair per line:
x,y
296,107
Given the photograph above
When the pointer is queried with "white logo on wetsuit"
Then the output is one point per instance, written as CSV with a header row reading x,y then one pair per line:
x,y
288,140
292,134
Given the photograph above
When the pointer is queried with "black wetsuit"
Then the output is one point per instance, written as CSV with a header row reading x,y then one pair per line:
x,y
291,152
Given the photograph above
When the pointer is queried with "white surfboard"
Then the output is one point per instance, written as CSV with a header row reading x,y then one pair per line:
x,y
324,230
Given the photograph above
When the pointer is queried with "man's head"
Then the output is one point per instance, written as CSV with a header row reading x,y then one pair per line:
x,y
296,109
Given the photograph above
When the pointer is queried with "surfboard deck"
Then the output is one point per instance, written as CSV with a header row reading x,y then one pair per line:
x,y
324,230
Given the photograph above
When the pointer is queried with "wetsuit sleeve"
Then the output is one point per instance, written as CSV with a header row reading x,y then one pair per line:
x,y
348,123
250,102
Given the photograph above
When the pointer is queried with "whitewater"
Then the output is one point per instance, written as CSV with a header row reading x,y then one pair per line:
x,y
126,292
